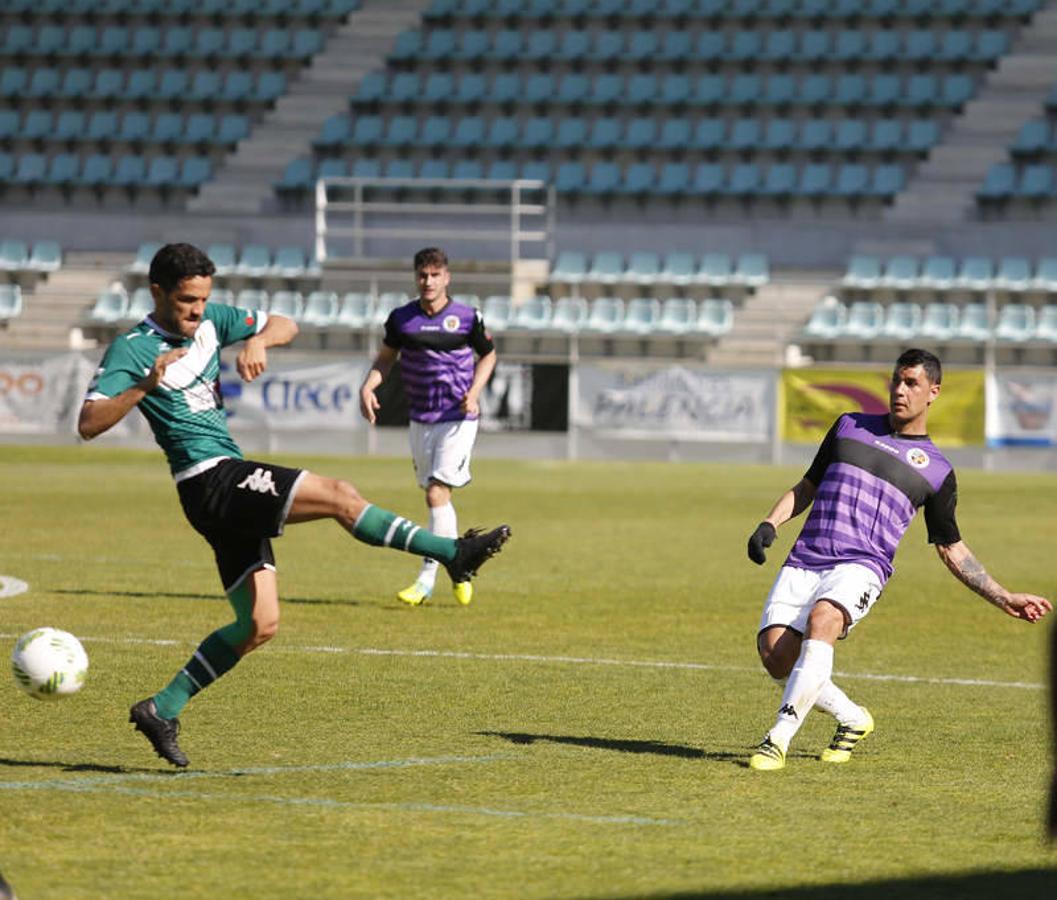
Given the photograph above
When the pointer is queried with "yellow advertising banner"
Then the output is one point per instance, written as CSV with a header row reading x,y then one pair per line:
x,y
813,398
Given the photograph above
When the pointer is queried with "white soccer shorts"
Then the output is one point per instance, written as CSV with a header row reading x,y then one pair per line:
x,y
795,592
441,451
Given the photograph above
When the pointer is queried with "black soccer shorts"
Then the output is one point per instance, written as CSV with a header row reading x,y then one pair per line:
x,y
237,506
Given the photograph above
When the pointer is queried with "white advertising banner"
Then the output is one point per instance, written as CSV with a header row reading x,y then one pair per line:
x,y
1022,409
291,397
43,395
674,402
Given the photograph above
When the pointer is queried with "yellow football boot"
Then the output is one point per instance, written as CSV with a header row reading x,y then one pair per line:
x,y
415,595
845,739
463,592
768,757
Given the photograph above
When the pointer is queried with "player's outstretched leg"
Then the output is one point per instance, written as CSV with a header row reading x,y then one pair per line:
x,y
847,738
161,733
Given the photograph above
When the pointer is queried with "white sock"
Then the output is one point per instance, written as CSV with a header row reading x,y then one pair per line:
x,y
811,672
833,700
442,522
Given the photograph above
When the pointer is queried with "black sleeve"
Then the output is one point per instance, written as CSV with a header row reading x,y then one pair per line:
x,y
824,456
939,513
391,338
480,339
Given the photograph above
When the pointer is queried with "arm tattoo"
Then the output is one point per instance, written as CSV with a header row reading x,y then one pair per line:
x,y
973,575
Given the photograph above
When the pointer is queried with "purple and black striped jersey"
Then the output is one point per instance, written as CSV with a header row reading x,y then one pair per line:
x,y
437,357
870,483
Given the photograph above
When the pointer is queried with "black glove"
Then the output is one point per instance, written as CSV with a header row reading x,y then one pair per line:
x,y
761,539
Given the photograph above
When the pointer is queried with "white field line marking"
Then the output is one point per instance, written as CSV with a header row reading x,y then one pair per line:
x,y
584,661
77,787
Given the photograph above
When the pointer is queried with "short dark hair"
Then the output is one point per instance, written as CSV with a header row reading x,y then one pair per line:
x,y
908,359
430,256
175,262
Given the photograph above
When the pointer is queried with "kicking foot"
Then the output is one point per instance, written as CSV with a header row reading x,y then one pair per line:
x,y
473,550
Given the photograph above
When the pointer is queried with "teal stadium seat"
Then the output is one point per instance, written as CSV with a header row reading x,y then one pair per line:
x,y
902,321
321,309
533,314
715,317
679,315
607,267
1016,322
1046,324
46,256
900,273
865,320
605,315
939,321
569,314
10,302
140,305
827,319
110,306
14,255
863,272
641,315
644,267
1046,275
938,273
496,311
752,270
1013,274
356,310
976,274
974,323
716,270
287,303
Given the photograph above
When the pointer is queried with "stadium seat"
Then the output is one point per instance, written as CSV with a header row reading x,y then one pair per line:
x,y
644,267
46,256
496,312
14,255
827,319
900,273
140,305
533,314
1046,274
290,262
255,261
606,315
902,321
865,319
252,298
1016,322
938,273
715,317
864,272
999,183
974,322
679,315
286,303
641,315
976,274
110,305
10,301
355,311
1046,324
607,267
569,314
1013,274
939,321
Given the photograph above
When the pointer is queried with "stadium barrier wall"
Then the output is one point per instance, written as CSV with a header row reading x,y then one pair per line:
x,y
619,409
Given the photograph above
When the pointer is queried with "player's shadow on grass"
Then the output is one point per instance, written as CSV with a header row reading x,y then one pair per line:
x,y
620,745
183,595
78,767
1028,884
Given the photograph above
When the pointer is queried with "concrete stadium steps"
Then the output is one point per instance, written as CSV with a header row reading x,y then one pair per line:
x,y
243,184
61,301
943,189
770,319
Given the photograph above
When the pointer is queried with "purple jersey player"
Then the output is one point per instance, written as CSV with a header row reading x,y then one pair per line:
x,y
446,358
868,479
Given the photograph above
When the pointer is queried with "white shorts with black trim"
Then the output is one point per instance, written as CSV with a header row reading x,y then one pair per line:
x,y
441,451
795,592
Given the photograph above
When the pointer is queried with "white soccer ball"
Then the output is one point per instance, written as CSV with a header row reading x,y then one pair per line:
x,y
48,663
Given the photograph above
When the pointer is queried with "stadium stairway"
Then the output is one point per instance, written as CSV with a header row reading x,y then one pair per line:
x,y
244,183
943,189
60,302
770,319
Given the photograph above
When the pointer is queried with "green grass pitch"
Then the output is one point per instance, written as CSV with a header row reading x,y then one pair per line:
x,y
580,731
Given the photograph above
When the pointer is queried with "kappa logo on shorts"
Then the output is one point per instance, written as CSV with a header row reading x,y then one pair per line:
x,y
864,601
260,481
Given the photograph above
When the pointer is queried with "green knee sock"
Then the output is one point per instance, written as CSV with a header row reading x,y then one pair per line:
x,y
213,658
381,528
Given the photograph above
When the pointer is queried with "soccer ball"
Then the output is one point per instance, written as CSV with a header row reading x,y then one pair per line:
x,y
49,664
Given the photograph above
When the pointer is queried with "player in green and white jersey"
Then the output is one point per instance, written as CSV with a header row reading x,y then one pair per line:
x,y
168,365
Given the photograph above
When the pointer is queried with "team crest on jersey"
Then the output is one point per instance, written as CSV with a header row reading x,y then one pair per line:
x,y
450,323
917,457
